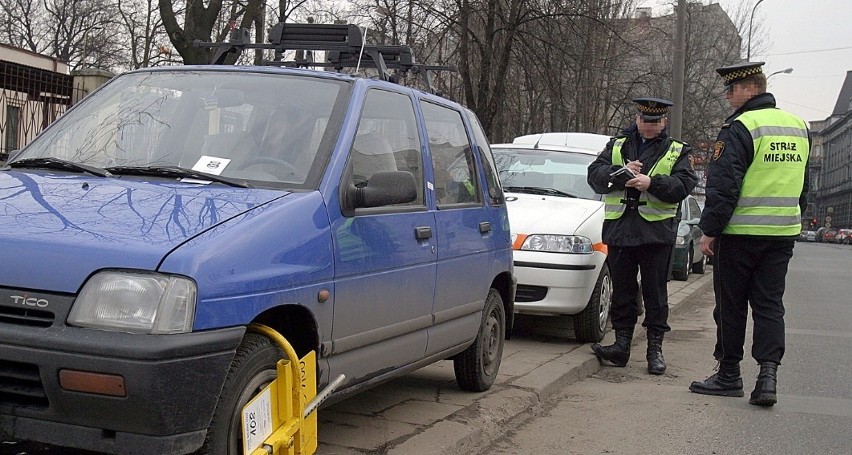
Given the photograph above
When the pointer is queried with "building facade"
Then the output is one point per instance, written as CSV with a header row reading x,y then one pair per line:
x,y
831,161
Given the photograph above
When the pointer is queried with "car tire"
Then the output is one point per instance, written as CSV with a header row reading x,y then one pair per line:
x,y
590,324
476,367
683,273
701,266
253,368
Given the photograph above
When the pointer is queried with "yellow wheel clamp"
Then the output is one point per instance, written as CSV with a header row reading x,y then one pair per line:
x,y
280,419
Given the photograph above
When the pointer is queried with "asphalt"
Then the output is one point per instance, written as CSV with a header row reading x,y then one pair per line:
x,y
426,413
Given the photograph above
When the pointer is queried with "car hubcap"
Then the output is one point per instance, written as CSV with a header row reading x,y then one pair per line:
x,y
492,347
605,302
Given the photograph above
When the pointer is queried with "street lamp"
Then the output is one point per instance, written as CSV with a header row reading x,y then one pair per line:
x,y
750,22
785,71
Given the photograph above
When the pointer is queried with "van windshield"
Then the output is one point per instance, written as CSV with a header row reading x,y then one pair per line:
x,y
258,127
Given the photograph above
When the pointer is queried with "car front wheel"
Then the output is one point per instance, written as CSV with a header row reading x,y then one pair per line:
x,y
701,266
251,371
476,367
683,273
590,324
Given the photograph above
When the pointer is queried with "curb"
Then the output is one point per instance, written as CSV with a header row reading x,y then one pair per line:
x,y
487,419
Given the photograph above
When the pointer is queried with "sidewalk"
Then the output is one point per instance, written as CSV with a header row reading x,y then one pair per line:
x,y
426,413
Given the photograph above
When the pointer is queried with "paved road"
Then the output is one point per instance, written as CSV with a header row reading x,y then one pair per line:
x,y
626,411
425,412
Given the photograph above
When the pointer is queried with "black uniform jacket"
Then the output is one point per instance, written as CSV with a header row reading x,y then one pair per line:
x,y
631,229
732,156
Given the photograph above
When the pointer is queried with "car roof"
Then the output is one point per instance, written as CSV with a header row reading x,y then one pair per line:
x,y
588,143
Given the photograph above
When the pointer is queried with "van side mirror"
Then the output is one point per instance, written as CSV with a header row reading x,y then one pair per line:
x,y
383,188
9,156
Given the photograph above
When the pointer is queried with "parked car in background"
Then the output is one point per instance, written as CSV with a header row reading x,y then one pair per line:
x,y
808,236
844,236
686,255
829,236
556,221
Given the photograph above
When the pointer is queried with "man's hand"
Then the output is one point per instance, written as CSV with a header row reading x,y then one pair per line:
x,y
707,245
641,182
635,166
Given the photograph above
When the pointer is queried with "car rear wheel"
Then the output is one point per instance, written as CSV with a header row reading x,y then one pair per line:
x,y
701,266
251,371
683,273
476,367
590,324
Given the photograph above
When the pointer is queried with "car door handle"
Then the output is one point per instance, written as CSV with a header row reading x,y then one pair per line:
x,y
422,232
484,227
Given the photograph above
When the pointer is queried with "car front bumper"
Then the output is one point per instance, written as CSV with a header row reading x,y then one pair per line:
x,y
172,385
554,284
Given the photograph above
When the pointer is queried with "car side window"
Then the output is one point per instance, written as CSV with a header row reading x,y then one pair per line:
x,y
387,140
452,156
495,190
694,209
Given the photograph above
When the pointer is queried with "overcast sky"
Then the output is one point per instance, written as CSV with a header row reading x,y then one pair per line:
x,y
814,37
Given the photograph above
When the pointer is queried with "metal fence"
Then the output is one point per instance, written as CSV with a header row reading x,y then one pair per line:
x,y
30,100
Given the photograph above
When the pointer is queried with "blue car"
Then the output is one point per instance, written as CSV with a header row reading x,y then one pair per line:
x,y
145,229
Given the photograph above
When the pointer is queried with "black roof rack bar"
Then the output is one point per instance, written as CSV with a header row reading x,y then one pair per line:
x,y
343,43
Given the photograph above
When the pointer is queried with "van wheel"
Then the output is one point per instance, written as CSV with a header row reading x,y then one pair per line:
x,y
253,369
683,273
590,324
701,266
476,367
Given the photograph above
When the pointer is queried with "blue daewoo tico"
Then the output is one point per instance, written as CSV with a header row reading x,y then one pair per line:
x,y
144,230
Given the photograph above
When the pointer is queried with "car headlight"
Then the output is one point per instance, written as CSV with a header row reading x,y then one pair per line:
x,y
136,302
680,240
558,243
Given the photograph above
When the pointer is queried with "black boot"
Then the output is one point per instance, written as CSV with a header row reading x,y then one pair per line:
x,y
656,362
617,353
727,382
764,389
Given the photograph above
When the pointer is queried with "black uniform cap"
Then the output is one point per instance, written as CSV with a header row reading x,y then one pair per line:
x,y
739,71
652,108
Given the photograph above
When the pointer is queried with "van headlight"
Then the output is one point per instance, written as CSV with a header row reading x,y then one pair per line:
x,y
553,243
136,302
680,240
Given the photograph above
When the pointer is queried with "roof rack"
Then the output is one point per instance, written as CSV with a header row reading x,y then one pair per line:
x,y
344,46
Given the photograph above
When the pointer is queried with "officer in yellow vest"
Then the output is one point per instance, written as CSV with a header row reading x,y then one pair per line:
x,y
640,225
756,187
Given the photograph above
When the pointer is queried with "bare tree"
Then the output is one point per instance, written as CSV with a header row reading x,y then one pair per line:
x,y
202,22
146,43
80,32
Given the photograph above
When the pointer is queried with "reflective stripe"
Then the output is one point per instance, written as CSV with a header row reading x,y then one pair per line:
x,y
768,201
778,131
651,210
765,220
615,208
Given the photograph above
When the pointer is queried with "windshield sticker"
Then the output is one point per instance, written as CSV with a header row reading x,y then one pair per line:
x,y
211,165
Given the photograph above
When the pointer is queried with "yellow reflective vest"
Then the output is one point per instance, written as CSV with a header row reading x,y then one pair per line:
x,y
650,207
769,197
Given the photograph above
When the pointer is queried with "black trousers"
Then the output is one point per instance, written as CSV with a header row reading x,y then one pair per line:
x,y
624,264
750,271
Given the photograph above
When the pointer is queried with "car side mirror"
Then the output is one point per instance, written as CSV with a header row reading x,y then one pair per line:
x,y
383,188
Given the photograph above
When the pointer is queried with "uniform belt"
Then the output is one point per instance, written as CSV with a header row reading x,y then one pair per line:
x,y
633,203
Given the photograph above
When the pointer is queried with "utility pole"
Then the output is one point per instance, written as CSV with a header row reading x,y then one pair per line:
x,y
676,117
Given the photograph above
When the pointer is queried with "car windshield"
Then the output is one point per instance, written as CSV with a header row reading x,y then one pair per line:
x,y
525,170
267,129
